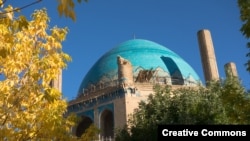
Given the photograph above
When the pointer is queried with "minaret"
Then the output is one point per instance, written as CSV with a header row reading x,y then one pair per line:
x,y
125,72
57,82
230,69
208,55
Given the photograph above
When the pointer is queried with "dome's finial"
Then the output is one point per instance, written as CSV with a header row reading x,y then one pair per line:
x,y
134,36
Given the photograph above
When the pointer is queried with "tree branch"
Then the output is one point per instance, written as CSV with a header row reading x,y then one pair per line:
x,y
23,7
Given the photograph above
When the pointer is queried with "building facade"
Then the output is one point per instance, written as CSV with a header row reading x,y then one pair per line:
x,y
126,74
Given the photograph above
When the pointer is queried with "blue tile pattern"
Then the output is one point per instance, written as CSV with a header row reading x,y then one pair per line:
x,y
142,54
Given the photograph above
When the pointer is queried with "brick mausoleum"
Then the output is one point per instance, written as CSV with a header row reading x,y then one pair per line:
x,y
126,74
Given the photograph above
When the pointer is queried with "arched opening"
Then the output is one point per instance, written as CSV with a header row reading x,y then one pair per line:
x,y
83,125
107,124
174,70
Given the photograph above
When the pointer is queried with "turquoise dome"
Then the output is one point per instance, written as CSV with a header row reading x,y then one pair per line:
x,y
142,54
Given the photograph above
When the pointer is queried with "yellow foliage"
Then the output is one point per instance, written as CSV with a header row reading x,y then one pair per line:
x,y
66,8
30,57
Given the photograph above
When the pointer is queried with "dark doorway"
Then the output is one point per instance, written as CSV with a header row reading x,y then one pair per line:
x,y
83,125
107,124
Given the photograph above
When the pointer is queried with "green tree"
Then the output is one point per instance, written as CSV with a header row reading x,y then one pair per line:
x,y
244,6
220,103
122,134
235,101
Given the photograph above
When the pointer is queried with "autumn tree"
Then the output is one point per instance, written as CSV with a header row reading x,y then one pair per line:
x,y
67,8
90,134
30,57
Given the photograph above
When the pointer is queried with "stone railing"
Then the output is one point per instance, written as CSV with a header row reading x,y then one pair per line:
x,y
109,87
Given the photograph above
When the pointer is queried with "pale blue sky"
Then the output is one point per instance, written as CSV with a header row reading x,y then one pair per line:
x,y
103,24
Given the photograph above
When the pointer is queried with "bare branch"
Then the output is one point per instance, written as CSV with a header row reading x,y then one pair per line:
x,y
23,7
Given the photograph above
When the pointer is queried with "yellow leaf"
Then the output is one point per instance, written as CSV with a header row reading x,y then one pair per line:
x,y
30,57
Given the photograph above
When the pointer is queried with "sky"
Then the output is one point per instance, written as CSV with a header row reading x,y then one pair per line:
x,y
103,24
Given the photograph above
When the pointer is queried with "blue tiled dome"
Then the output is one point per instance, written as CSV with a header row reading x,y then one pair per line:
x,y
141,53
